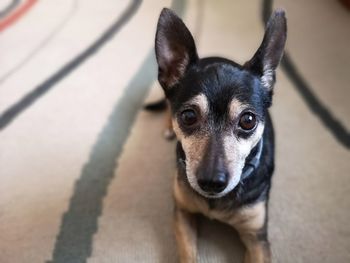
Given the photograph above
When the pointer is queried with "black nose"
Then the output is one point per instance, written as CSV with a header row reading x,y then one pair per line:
x,y
215,184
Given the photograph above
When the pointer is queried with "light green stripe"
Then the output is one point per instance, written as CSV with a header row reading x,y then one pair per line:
x,y
79,223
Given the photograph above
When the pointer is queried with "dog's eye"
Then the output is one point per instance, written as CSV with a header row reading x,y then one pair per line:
x,y
189,117
247,121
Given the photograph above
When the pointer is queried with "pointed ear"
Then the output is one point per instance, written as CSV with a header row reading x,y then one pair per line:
x,y
269,54
175,48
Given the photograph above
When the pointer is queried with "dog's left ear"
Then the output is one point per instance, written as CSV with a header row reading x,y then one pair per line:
x,y
175,49
269,54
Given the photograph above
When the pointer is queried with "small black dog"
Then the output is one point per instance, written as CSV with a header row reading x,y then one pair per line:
x,y
225,150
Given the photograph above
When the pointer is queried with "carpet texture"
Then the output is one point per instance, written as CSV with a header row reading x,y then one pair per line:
x,y
85,175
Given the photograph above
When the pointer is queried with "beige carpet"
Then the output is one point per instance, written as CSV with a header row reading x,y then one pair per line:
x,y
85,175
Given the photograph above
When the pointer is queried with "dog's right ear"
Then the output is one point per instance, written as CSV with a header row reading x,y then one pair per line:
x,y
175,49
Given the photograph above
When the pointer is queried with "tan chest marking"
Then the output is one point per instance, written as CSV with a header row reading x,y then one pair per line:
x,y
249,218
187,200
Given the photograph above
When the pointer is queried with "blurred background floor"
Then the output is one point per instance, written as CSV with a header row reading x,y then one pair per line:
x,y
85,175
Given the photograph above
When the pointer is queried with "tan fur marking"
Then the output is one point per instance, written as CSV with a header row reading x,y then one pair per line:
x,y
250,218
236,151
258,252
236,107
249,221
194,145
187,200
186,235
201,102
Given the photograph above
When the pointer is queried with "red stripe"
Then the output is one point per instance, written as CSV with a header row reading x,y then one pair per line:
x,y
12,18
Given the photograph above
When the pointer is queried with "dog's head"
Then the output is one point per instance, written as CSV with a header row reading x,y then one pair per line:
x,y
218,107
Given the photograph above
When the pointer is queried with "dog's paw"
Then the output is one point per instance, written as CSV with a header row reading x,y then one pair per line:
x,y
169,134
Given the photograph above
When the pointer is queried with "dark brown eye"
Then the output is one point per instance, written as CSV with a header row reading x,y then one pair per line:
x,y
247,121
189,117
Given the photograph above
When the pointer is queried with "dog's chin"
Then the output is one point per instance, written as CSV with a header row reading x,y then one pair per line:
x,y
234,181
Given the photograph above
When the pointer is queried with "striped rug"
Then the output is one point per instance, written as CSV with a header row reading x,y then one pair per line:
x,y
85,175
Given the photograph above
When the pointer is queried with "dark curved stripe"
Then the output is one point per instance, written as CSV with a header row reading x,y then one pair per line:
x,y
41,46
13,111
80,222
337,129
333,124
4,12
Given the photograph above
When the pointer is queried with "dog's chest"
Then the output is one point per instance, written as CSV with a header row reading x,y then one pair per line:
x,y
247,217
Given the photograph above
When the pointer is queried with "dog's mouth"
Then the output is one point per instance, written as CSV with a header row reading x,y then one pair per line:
x,y
213,195
214,187
210,193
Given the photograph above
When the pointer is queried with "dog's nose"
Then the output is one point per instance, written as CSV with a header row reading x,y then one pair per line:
x,y
215,184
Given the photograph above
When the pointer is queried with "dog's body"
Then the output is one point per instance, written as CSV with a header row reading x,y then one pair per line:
x,y
225,150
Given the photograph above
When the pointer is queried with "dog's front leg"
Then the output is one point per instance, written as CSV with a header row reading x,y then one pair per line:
x,y
251,225
258,248
186,235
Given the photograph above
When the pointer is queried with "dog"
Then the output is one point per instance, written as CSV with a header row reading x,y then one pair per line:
x,y
225,148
